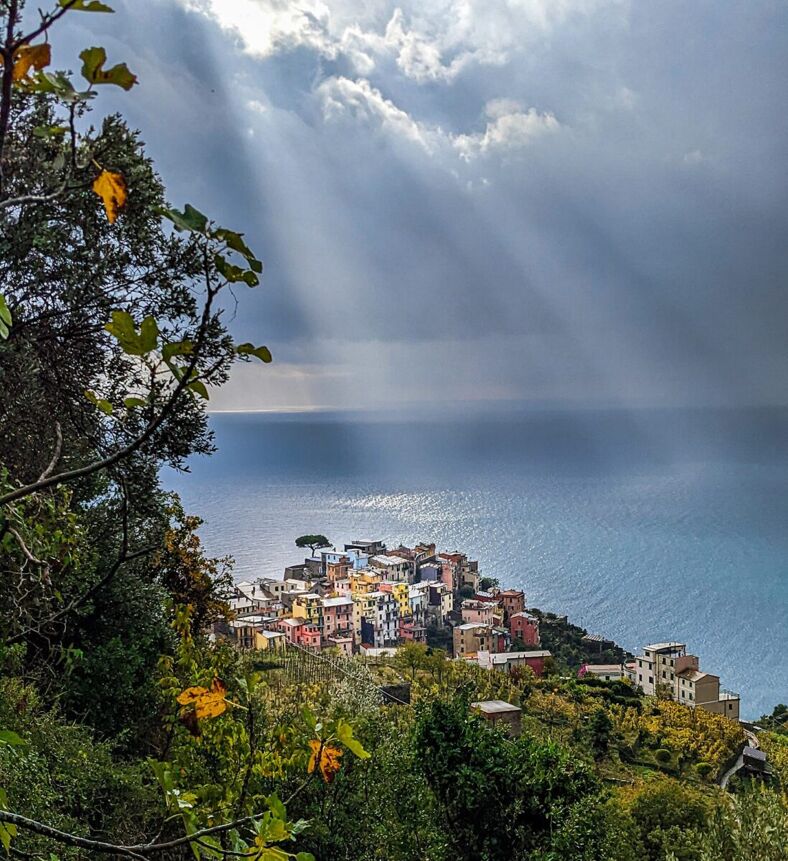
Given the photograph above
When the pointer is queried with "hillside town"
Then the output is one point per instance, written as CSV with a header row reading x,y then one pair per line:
x,y
370,599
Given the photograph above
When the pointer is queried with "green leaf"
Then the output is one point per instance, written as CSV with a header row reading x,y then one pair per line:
x,y
199,387
11,738
276,807
7,831
56,83
177,348
235,242
344,733
191,219
131,403
261,353
104,405
48,132
87,6
229,271
5,318
149,334
305,856
93,60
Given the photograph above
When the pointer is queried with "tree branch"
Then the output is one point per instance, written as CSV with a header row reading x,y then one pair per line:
x,y
56,454
147,433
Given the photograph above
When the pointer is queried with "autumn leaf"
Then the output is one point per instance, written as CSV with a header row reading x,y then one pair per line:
x,y
324,757
29,57
207,702
111,188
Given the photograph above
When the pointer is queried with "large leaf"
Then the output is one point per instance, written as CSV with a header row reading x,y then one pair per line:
x,y
11,738
149,334
345,735
207,702
111,188
261,353
86,6
5,318
29,57
93,70
235,242
190,219
325,758
7,831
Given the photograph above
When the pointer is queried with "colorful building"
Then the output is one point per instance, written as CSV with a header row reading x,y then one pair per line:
x,y
525,628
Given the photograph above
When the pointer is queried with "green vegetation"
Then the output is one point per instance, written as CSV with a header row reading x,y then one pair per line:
x,y
564,640
313,542
125,731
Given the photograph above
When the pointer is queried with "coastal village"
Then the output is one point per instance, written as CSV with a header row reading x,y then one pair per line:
x,y
369,599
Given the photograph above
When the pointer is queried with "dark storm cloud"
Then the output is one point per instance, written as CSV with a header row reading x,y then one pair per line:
x,y
575,201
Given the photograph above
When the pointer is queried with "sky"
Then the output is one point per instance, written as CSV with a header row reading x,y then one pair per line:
x,y
463,203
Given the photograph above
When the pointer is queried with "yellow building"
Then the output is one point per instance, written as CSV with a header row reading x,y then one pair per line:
x,y
361,583
309,606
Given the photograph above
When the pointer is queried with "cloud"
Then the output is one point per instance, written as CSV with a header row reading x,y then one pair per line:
x,y
340,98
428,40
508,126
458,200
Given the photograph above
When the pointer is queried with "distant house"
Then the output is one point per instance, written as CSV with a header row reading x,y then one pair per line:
x,y
513,601
251,632
368,546
525,628
507,661
394,568
482,612
338,616
471,638
667,668
500,713
603,672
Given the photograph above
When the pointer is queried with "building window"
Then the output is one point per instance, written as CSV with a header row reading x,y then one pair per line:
x,y
691,697
640,677
664,674
651,680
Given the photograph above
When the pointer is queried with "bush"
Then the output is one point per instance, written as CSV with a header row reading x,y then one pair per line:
x,y
704,769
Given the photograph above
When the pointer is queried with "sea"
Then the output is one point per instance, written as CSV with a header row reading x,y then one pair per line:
x,y
644,525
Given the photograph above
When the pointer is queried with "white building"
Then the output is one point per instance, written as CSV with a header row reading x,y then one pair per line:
x,y
667,669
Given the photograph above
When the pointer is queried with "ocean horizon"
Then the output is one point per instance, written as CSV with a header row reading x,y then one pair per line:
x,y
643,525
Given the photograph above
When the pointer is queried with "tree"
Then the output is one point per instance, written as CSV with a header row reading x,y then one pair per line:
x,y
411,656
488,583
110,335
499,798
313,542
600,729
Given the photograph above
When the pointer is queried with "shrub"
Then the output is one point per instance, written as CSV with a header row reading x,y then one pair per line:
x,y
704,769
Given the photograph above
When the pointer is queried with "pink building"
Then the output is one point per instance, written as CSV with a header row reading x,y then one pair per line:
x,y
524,627
481,612
300,633
411,631
337,616
513,601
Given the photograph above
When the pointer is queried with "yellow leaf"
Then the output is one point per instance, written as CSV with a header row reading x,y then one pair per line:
x,y
30,57
111,188
324,757
207,702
